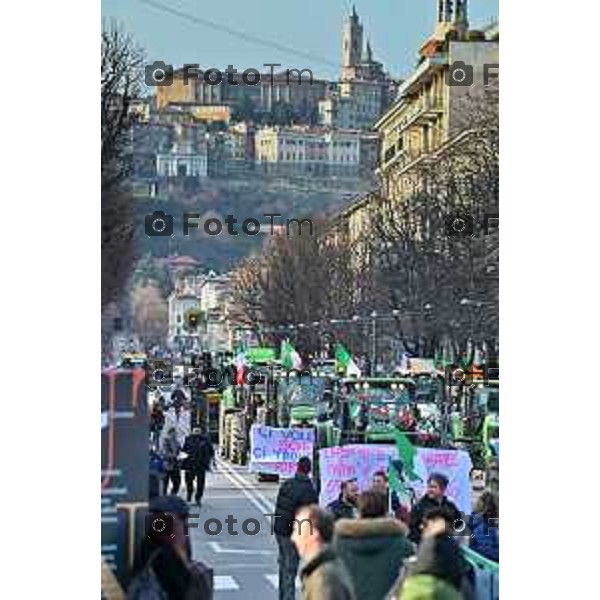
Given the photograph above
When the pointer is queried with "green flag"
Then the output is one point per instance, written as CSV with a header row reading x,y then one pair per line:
x,y
406,453
342,358
287,355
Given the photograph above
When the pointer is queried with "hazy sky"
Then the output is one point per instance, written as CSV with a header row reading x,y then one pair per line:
x,y
312,28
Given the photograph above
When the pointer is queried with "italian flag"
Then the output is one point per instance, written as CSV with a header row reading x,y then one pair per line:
x,y
240,363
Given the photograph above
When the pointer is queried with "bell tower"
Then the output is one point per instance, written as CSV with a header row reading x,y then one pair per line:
x,y
352,41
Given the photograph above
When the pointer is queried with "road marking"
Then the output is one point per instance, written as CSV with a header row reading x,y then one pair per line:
x,y
274,581
225,583
218,549
255,502
246,487
231,474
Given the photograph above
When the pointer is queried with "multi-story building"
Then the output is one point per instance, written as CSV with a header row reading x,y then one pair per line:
x,y
183,298
303,150
187,157
296,87
214,296
430,113
364,90
207,293
429,119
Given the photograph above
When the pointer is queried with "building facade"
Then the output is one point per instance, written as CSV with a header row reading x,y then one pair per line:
x,y
364,91
303,150
429,120
430,113
209,294
188,155
298,88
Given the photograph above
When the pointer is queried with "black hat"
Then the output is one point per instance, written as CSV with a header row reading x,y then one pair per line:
x,y
169,504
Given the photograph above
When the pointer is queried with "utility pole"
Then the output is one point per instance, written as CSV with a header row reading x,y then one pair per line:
x,y
374,349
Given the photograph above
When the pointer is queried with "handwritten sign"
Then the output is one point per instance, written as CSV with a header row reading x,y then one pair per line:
x,y
362,461
455,465
358,461
276,450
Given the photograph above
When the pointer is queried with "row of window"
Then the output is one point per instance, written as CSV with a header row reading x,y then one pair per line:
x,y
294,156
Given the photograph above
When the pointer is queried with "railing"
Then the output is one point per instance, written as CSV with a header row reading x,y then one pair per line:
x,y
487,575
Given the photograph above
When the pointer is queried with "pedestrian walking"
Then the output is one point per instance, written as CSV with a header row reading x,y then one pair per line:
x,y
170,454
435,497
157,422
373,547
324,576
200,455
345,506
293,494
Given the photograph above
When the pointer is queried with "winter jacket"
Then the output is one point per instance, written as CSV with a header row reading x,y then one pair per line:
x,y
422,507
325,578
438,557
427,587
341,509
484,538
165,576
294,493
170,451
200,453
373,550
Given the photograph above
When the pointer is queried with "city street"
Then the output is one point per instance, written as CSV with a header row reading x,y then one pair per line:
x,y
245,566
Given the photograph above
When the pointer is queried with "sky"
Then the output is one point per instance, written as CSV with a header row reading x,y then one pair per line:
x,y
299,33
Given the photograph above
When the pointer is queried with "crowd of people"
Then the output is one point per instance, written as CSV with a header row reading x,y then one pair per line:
x,y
175,448
362,546
359,548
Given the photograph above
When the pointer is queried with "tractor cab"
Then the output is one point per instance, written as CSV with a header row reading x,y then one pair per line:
x,y
369,409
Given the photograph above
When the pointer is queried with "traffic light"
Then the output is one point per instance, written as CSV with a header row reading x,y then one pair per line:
x,y
192,320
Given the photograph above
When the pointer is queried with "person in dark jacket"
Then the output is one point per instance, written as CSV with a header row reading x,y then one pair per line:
x,y
373,547
381,483
323,576
200,454
170,455
435,497
484,527
293,494
345,506
163,566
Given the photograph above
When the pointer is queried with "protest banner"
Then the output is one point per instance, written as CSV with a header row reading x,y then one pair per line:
x,y
361,461
455,465
358,461
276,451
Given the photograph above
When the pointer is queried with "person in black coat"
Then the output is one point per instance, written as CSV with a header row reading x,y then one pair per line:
x,y
434,498
200,455
163,566
293,494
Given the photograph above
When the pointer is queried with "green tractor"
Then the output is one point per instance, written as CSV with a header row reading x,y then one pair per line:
x,y
476,424
368,409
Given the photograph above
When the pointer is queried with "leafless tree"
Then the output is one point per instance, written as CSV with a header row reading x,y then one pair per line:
x,y
445,285
121,65
151,314
299,279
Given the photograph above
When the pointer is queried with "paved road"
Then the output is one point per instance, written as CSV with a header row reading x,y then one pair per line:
x,y
245,565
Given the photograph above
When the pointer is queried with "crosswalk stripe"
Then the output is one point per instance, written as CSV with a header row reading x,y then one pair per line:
x,y
225,582
274,581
